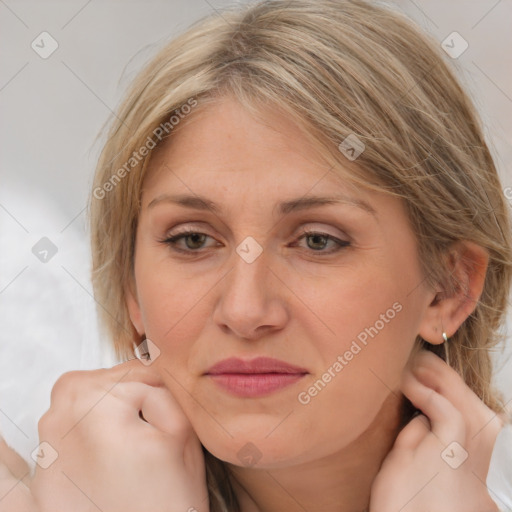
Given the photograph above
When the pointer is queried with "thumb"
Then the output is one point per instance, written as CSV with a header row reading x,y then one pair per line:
x,y
161,410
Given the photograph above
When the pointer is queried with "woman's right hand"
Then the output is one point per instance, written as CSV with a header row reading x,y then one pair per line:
x,y
109,458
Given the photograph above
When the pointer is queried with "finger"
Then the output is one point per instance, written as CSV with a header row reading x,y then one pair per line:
x,y
155,406
436,374
135,370
161,410
413,433
432,371
71,385
447,423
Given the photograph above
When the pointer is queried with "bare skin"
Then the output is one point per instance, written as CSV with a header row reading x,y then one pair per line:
x,y
294,302
121,444
443,454
304,300
14,481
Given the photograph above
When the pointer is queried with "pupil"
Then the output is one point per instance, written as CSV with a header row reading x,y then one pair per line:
x,y
317,237
196,238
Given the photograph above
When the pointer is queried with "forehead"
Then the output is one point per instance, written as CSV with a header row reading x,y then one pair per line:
x,y
222,146
252,168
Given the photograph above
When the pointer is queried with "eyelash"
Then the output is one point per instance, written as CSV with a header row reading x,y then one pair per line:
x,y
172,240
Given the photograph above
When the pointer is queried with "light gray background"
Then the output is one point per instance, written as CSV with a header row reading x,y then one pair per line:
x,y
51,111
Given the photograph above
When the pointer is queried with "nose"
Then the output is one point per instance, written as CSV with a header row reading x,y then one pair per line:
x,y
251,302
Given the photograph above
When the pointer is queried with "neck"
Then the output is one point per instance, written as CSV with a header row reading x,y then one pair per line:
x,y
340,482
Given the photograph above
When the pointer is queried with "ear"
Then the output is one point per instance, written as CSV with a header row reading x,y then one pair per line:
x,y
467,267
132,303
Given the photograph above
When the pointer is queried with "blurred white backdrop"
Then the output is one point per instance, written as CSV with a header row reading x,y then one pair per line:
x,y
52,109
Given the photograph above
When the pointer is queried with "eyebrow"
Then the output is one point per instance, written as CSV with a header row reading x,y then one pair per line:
x,y
197,202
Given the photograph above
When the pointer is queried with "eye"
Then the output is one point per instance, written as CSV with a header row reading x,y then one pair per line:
x,y
320,240
194,240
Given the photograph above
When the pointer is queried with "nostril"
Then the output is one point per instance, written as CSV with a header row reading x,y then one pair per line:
x,y
141,416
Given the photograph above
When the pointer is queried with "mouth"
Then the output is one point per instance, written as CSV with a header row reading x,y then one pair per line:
x,y
254,378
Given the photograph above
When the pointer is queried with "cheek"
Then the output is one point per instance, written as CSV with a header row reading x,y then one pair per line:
x,y
369,307
173,309
364,315
368,329
361,362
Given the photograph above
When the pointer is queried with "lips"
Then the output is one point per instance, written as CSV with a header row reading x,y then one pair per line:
x,y
258,365
254,378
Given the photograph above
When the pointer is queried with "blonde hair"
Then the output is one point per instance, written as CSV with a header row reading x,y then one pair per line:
x,y
339,68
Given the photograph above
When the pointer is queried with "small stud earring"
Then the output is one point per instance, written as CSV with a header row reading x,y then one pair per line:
x,y
445,338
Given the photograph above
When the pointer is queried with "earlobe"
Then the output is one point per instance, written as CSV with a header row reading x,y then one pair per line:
x,y
132,304
467,267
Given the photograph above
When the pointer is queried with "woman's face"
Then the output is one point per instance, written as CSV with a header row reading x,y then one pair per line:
x,y
336,311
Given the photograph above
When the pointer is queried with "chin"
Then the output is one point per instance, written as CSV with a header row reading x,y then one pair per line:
x,y
267,447
263,454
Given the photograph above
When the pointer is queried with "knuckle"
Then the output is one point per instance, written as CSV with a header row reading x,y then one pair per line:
x,y
71,383
46,423
64,385
43,421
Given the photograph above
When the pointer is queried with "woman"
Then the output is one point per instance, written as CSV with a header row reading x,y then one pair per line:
x,y
295,219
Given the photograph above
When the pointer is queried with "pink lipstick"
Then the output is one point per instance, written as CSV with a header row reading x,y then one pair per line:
x,y
254,378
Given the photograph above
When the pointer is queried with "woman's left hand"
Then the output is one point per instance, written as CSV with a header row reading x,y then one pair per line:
x,y
440,460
